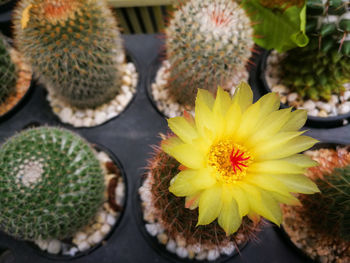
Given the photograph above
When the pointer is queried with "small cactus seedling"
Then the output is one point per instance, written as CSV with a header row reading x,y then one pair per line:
x,y
208,43
51,184
8,71
74,46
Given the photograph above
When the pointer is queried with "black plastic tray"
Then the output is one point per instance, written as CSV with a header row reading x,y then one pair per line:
x,y
130,137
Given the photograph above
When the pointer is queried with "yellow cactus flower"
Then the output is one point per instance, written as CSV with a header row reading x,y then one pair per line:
x,y
239,158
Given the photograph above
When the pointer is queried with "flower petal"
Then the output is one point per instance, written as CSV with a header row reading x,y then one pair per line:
x,y
275,167
296,120
229,218
189,182
275,121
243,96
210,204
182,128
233,119
285,199
297,183
192,201
263,203
267,182
301,160
222,103
186,154
293,146
242,201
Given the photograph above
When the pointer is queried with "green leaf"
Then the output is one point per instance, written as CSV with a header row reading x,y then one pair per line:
x,y
277,29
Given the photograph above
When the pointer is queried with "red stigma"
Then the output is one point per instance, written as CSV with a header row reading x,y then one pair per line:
x,y
237,160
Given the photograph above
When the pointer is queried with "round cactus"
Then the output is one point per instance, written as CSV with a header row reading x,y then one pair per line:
x,y
208,42
75,47
8,72
314,73
51,184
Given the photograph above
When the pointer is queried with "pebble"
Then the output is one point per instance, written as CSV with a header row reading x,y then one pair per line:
x,y
110,220
313,112
162,238
213,254
171,246
344,108
152,229
54,246
95,238
309,105
322,113
83,246
181,252
43,244
292,97
66,114
73,251
100,117
105,229
201,255
80,236
228,250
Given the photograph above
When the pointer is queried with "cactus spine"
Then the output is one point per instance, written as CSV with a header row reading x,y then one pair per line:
x,y
320,69
8,71
51,184
208,43
74,46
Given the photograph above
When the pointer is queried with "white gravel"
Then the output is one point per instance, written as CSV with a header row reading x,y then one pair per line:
x,y
98,229
337,105
93,117
164,102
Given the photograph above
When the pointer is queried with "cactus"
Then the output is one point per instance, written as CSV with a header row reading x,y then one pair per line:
x,y
333,179
320,69
180,221
8,71
329,22
322,220
313,73
51,184
74,46
207,42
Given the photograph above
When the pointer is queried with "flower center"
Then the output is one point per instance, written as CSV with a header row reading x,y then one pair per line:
x,y
230,160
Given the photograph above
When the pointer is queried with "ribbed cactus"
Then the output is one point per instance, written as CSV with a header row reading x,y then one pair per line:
x,y
74,46
322,67
8,71
207,42
329,22
51,184
334,202
313,73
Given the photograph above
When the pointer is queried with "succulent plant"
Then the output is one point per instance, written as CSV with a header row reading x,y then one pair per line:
x,y
329,22
74,46
320,69
51,184
333,200
8,71
207,42
314,73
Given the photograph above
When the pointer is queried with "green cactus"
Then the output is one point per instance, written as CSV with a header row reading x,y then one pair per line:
x,y
74,46
334,202
314,73
208,43
8,71
329,22
51,184
320,69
